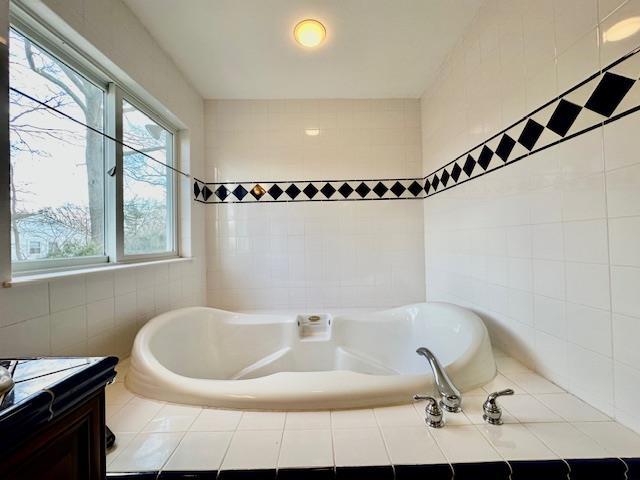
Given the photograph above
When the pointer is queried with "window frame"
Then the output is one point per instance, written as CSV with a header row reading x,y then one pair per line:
x,y
114,93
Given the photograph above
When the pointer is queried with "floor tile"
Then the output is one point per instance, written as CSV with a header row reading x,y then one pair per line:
x,y
398,415
508,365
353,418
515,442
117,394
464,443
500,382
529,382
566,441
173,418
306,448
571,408
122,440
307,420
134,415
199,451
253,449
527,409
211,420
147,451
411,446
616,439
262,421
359,446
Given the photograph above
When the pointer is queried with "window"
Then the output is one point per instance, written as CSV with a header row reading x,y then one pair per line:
x,y
74,199
34,247
146,184
56,176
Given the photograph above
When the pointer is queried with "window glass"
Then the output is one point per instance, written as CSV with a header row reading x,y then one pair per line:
x,y
147,185
57,182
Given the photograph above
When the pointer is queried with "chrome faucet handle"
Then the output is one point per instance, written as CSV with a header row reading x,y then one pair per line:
x,y
492,411
432,411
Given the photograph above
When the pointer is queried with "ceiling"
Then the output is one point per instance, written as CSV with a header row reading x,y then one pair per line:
x,y
245,48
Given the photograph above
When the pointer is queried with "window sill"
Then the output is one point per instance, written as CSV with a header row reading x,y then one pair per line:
x,y
49,276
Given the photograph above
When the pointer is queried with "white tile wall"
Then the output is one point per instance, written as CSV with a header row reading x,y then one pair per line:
x,y
314,254
563,226
99,313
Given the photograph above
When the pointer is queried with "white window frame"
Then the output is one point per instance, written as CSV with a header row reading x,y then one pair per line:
x,y
115,93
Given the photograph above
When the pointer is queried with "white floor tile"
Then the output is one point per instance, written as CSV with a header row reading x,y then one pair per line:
x,y
122,440
464,444
117,394
500,382
515,442
398,415
211,420
307,420
306,448
529,382
253,449
147,451
528,409
262,421
133,416
359,447
200,451
360,418
412,446
510,365
571,408
173,418
616,439
566,441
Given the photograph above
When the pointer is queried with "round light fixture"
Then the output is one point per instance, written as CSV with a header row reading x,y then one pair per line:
x,y
309,33
621,30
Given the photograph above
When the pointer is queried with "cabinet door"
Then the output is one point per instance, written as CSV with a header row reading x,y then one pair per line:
x,y
70,448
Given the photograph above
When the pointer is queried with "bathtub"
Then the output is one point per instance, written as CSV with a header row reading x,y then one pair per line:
x,y
204,356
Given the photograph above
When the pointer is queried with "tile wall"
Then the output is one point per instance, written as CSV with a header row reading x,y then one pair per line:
x,y
98,314
545,249
313,254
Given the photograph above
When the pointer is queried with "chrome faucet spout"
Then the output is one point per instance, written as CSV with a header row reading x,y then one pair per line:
x,y
450,395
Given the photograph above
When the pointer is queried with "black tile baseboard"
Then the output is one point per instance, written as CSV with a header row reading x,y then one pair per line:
x,y
570,469
381,472
596,469
539,469
438,471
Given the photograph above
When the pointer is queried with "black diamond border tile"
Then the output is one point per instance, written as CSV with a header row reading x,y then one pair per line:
x,y
608,94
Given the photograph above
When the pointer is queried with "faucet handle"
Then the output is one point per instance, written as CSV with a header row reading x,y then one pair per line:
x,y
492,411
432,411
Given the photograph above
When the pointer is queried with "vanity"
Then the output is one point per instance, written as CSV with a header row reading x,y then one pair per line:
x,y
52,421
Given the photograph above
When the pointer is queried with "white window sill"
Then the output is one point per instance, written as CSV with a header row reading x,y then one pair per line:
x,y
49,276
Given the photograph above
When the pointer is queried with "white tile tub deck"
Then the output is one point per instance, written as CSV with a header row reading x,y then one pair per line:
x,y
542,422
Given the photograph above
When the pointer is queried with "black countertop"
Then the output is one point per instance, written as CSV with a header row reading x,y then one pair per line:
x,y
46,388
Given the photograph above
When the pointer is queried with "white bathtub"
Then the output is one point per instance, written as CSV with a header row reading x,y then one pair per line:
x,y
204,356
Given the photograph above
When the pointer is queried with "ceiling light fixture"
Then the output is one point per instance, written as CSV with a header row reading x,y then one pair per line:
x,y
312,132
309,33
621,30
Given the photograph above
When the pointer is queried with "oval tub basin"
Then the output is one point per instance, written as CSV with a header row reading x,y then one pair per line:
x,y
204,356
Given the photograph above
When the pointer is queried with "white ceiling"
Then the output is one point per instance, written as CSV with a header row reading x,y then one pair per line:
x,y
245,48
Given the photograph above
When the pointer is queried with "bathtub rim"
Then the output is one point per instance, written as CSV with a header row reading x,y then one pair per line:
x,y
148,377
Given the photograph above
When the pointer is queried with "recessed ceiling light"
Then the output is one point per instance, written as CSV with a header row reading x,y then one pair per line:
x,y
309,33
312,132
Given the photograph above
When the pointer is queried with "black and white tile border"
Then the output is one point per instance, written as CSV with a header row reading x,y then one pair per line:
x,y
571,469
604,97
